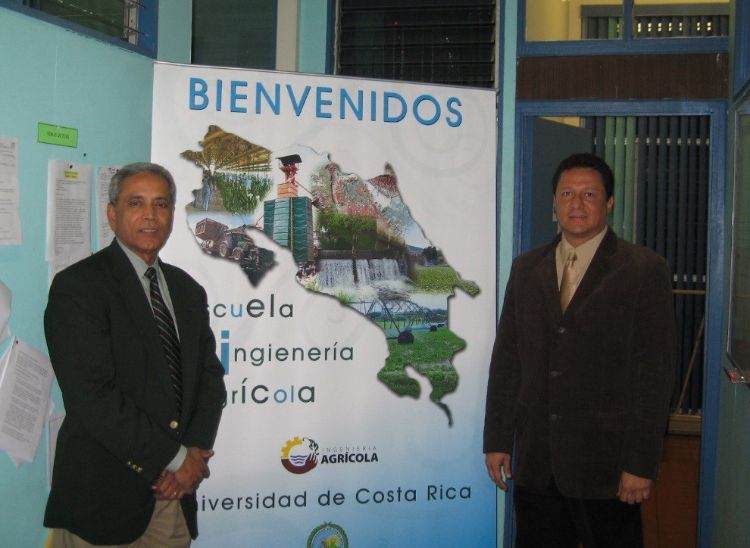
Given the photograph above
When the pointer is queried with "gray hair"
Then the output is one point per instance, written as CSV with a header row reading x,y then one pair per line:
x,y
115,185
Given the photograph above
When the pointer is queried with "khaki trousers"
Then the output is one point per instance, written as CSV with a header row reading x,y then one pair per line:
x,y
167,529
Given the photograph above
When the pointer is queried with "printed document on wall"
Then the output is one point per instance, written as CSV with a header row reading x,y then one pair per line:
x,y
104,233
25,383
10,222
68,213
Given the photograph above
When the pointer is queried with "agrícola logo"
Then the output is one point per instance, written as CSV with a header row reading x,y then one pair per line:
x,y
299,455
328,535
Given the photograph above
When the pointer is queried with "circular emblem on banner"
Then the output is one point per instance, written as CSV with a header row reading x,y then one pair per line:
x,y
299,455
328,535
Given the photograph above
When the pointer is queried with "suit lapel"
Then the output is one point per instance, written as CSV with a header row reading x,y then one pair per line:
x,y
597,270
548,282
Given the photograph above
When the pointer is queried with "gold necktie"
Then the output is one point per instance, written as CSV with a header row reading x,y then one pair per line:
x,y
568,283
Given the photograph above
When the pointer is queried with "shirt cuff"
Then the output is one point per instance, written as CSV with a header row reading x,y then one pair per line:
x,y
178,459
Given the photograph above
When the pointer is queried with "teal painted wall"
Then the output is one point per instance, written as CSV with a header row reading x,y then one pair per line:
x,y
506,151
312,36
506,154
732,505
57,76
732,499
175,31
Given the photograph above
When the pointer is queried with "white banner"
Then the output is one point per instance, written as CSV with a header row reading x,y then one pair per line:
x,y
331,220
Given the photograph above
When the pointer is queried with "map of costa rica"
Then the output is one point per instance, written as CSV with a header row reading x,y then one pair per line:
x,y
351,237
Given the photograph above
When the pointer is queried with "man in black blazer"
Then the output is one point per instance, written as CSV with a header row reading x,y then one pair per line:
x,y
581,374
141,416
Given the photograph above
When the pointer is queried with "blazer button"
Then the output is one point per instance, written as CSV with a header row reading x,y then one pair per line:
x,y
561,330
174,424
554,374
554,416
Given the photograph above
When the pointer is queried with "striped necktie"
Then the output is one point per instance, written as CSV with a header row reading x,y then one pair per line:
x,y
168,334
568,283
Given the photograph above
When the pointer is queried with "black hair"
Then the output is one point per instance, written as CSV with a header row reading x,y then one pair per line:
x,y
586,159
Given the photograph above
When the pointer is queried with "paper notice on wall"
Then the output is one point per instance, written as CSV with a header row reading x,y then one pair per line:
x,y
10,223
104,232
25,382
68,213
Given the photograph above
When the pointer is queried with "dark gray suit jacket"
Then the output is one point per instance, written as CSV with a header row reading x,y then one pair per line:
x,y
585,393
121,427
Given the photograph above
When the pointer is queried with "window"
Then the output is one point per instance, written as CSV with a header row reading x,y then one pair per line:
x,y
657,21
437,41
131,23
738,338
623,26
741,52
552,20
235,33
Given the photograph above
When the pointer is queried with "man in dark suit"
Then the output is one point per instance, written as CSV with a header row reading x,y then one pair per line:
x,y
581,374
133,352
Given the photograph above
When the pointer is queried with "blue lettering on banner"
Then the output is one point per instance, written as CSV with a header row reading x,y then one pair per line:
x,y
225,350
436,110
274,103
323,102
388,99
457,118
298,105
235,96
320,102
244,393
357,107
198,94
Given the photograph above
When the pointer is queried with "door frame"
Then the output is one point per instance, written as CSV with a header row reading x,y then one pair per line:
x,y
716,255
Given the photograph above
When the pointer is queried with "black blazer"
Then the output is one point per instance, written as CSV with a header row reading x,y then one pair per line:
x,y
585,393
121,427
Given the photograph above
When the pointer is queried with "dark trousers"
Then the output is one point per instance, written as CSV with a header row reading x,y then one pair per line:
x,y
547,519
